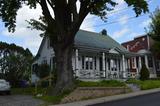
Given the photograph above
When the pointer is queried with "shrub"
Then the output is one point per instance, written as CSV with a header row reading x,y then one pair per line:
x,y
104,83
42,71
144,73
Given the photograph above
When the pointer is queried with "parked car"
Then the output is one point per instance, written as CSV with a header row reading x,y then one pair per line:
x,y
4,86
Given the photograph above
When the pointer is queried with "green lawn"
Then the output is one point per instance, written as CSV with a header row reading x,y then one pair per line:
x,y
147,84
56,99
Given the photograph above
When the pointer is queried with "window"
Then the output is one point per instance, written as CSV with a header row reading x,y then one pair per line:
x,y
133,62
88,63
91,63
82,62
100,64
44,61
95,63
158,64
150,62
108,60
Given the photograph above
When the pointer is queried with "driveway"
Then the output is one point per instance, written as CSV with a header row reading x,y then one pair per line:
x,y
144,100
19,100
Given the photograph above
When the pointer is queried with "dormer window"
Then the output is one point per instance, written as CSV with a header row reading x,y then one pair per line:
x,y
143,39
128,47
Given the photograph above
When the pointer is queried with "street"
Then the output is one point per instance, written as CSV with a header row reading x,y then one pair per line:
x,y
145,100
18,100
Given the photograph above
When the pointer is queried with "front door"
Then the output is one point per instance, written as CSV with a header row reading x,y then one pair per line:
x,y
89,63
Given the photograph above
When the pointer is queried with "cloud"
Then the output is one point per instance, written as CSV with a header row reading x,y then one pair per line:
x,y
89,23
123,20
145,23
121,5
30,38
120,33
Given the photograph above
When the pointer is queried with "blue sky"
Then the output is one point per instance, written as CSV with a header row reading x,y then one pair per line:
x,y
123,30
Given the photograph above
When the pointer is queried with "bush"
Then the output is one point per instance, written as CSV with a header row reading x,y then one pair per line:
x,y
144,73
42,71
104,83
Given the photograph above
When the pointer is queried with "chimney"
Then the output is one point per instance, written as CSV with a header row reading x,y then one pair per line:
x,y
104,32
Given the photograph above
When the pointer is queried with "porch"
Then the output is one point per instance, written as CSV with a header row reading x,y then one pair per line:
x,y
100,65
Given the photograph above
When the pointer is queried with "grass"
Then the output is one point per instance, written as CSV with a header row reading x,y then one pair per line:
x,y
147,84
56,99
27,90
104,83
44,91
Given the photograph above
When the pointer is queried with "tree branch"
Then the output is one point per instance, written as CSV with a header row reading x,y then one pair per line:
x,y
46,12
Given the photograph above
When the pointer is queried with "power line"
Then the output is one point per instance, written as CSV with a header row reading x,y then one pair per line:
x,y
114,22
116,11
110,13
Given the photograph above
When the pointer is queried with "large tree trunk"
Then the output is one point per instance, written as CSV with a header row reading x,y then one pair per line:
x,y
64,70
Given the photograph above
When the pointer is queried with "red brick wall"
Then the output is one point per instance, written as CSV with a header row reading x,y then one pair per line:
x,y
137,44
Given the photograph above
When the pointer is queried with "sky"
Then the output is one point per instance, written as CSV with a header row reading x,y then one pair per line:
x,y
120,25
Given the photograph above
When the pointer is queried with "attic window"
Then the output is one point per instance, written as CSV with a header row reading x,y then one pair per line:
x,y
128,47
143,39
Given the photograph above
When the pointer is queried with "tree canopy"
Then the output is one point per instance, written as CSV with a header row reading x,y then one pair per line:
x,y
154,27
154,31
64,8
15,63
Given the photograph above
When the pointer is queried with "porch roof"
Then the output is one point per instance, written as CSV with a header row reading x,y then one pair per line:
x,y
97,40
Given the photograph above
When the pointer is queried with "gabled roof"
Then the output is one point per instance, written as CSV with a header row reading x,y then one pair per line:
x,y
93,40
97,40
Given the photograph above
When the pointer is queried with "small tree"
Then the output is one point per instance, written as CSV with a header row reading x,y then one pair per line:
x,y
43,71
144,73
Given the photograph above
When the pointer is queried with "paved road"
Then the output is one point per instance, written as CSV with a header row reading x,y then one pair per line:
x,y
145,100
18,100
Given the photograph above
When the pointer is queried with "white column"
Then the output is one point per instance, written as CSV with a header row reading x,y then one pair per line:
x,y
124,67
103,62
135,61
146,60
118,67
140,63
77,64
106,66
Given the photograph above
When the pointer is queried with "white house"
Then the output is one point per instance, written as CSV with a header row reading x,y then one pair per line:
x,y
95,56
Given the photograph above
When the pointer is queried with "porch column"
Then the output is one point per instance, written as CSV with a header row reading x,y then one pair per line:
x,y
135,60
140,63
76,63
124,67
103,62
106,74
146,60
118,68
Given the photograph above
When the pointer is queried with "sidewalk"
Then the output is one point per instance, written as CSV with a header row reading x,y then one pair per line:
x,y
109,98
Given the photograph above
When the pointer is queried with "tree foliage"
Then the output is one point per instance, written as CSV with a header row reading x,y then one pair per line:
x,y
42,71
154,27
15,63
65,8
144,73
154,32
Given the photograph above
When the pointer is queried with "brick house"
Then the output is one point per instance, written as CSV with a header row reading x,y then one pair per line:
x,y
142,46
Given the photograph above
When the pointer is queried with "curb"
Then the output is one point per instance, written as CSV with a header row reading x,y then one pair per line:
x,y
109,98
